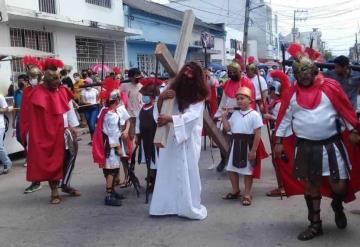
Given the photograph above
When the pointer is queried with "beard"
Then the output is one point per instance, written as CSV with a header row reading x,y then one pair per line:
x,y
234,77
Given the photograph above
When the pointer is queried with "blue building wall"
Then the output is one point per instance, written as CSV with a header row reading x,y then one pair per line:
x,y
155,28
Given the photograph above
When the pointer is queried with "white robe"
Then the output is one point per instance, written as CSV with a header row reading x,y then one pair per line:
x,y
178,186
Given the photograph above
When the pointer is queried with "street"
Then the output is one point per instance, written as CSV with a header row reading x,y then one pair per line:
x,y
29,220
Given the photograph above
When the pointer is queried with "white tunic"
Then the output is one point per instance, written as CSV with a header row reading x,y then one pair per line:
x,y
240,124
314,124
178,186
112,128
263,84
70,120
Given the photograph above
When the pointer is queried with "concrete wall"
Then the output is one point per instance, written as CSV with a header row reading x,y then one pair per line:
x,y
78,10
24,4
5,67
64,44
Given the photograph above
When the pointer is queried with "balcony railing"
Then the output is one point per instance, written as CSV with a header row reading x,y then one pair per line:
x,y
48,6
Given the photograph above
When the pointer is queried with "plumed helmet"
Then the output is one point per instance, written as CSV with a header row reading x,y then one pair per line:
x,y
51,67
280,82
33,66
234,66
304,59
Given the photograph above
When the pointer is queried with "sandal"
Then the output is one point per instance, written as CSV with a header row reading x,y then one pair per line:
x,y
246,201
71,191
314,230
232,196
275,193
55,199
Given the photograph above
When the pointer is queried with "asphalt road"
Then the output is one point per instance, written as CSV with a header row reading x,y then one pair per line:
x,y
29,220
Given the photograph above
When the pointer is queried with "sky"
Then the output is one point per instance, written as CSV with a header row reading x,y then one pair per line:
x,y
338,20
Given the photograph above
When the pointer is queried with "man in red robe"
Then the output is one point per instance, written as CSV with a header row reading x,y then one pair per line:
x,y
47,114
316,112
33,67
228,99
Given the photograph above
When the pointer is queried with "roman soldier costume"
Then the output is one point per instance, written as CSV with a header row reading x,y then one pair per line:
x,y
314,126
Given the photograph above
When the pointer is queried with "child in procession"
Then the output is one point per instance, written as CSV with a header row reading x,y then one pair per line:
x,y
244,125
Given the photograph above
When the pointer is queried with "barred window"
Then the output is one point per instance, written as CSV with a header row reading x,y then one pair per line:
x,y
33,39
89,52
147,63
48,6
102,3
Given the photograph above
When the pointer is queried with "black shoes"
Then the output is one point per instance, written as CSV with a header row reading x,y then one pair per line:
x,y
32,188
111,200
314,230
340,217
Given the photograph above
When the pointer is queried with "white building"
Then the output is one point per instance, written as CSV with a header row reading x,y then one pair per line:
x,y
234,42
263,25
74,31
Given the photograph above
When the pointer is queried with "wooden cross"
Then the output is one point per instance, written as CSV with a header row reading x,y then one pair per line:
x,y
172,65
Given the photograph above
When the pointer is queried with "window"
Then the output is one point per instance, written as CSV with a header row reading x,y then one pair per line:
x,y
48,6
89,52
147,63
37,40
102,3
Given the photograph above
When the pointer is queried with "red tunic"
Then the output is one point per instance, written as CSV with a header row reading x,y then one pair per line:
x,y
342,105
24,114
46,133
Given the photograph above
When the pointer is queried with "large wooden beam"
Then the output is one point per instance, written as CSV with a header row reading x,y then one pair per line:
x,y
217,136
185,38
172,65
166,59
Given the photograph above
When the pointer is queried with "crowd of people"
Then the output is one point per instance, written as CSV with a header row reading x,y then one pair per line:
x,y
311,123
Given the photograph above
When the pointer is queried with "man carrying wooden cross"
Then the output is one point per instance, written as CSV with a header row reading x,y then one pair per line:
x,y
178,186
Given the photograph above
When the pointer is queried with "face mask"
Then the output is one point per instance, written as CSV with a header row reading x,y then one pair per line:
x,y
88,88
146,99
34,82
77,78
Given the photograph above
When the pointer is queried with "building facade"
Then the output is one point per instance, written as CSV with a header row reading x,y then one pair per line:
x,y
160,23
263,27
308,38
77,33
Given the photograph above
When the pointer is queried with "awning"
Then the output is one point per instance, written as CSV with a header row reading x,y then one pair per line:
x,y
8,51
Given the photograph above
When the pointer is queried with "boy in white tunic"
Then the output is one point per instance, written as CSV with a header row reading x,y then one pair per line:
x,y
115,118
245,125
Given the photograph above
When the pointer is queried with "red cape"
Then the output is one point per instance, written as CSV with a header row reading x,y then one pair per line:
x,y
46,145
98,148
342,105
260,155
230,88
213,100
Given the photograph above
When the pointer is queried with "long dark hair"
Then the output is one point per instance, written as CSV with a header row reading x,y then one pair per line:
x,y
190,85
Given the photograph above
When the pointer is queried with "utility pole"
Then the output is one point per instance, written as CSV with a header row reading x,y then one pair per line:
x,y
356,48
246,29
297,19
246,26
